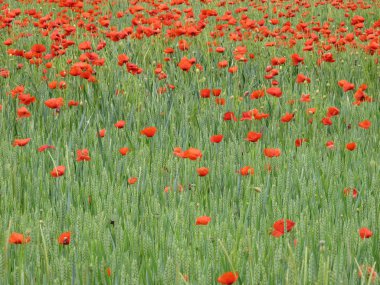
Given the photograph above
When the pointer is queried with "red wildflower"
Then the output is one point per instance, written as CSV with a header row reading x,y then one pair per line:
x,y
102,133
332,111
45,147
17,238
296,59
23,113
257,94
216,138
272,152
124,150
287,117
120,124
149,131
345,85
185,64
83,155
365,233
299,142
108,270
228,116
330,144
368,271
216,92
64,238
253,137
365,124
327,121
54,103
132,180
347,192
58,171
73,103
274,91
204,220
21,142
205,93
192,154
228,278
246,170
351,146
279,227
202,171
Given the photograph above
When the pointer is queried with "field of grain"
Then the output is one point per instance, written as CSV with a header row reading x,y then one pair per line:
x,y
189,142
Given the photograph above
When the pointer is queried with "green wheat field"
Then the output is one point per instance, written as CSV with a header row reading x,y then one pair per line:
x,y
189,142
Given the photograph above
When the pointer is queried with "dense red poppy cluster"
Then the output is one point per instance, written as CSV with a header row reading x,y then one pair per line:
x,y
77,32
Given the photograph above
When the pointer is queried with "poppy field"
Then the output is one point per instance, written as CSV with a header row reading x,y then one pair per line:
x,y
189,142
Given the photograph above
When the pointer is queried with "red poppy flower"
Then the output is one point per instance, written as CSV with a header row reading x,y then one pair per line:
x,y
64,238
345,85
17,238
327,121
368,271
83,155
23,113
102,133
85,45
278,60
274,91
122,58
287,117
228,116
124,150
204,220
296,59
38,48
216,138
246,170
54,103
301,78
253,137
178,152
305,98
351,146
205,93
272,152
26,99
365,124
228,278
202,171
216,92
120,124
45,147
330,144
108,270
183,45
73,103
185,64
192,154
347,192
132,180
149,131
58,171
257,94
365,233
279,227
332,111
21,142
259,116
